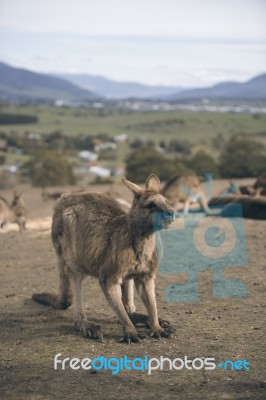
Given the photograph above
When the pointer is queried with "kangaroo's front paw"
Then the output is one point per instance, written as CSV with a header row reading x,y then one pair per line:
x,y
142,319
133,338
160,333
89,329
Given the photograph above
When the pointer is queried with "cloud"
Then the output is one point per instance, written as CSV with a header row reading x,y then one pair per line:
x,y
164,18
190,43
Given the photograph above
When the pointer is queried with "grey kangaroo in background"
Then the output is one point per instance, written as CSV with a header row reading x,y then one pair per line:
x,y
16,212
93,235
185,189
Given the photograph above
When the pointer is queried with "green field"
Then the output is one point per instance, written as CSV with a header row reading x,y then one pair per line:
x,y
202,129
193,126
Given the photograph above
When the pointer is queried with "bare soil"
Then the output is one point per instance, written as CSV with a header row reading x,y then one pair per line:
x,y
31,334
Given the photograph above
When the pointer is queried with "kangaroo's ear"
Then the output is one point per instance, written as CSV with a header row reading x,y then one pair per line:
x,y
153,183
17,193
132,186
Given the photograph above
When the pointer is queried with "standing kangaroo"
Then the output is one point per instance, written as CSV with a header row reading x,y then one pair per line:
x,y
93,235
186,189
16,212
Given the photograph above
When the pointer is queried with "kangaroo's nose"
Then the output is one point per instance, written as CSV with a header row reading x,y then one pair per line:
x,y
170,215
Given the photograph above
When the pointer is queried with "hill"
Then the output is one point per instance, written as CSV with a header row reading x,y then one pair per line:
x,y
254,89
119,90
21,84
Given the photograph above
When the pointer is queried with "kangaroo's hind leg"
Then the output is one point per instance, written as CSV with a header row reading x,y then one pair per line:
x,y
63,299
128,296
81,322
204,203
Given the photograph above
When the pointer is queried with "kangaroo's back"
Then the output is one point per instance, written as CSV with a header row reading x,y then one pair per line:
x,y
179,187
80,218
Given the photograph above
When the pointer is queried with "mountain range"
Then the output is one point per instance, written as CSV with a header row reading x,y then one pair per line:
x,y
21,84
111,89
18,84
254,89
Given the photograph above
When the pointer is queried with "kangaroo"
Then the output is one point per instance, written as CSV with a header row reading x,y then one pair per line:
x,y
47,195
116,196
252,207
185,189
260,185
93,235
250,190
16,212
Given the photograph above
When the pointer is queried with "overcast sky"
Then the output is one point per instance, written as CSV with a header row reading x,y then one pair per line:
x,y
176,42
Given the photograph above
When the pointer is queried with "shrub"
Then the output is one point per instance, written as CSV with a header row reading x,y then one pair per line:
x,y
2,159
49,169
99,180
143,162
202,163
242,157
177,146
58,141
13,119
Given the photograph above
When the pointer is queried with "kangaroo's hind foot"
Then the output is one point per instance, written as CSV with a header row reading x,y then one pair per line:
x,y
53,300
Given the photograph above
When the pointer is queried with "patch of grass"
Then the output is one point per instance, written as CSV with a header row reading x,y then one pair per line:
x,y
195,127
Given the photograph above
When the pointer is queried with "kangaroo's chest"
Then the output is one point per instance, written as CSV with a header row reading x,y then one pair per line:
x,y
143,260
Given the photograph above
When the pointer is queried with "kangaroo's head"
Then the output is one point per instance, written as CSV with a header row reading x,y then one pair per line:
x,y
18,207
233,188
149,207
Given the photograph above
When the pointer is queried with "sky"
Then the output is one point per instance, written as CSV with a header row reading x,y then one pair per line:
x,y
188,43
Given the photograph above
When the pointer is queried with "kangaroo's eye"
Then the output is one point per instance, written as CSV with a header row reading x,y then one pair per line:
x,y
152,205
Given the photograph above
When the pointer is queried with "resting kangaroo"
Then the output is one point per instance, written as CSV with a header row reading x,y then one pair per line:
x,y
93,235
252,207
250,190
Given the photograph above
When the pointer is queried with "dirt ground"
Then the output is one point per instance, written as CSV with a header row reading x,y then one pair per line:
x,y
31,334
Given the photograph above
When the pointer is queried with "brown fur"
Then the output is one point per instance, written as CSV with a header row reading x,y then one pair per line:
x,y
46,195
116,196
249,190
260,185
182,189
256,190
93,235
252,207
16,212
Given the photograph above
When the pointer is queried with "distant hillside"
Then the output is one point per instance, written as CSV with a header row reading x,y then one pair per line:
x,y
21,84
254,89
119,90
